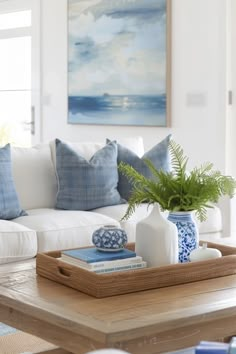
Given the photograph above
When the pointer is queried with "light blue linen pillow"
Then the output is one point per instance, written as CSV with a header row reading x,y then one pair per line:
x,y
158,155
86,185
9,202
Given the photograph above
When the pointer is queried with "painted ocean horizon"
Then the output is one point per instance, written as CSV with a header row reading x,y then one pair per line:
x,y
140,110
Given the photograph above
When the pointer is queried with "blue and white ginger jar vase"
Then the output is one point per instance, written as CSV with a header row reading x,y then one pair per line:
x,y
109,238
188,236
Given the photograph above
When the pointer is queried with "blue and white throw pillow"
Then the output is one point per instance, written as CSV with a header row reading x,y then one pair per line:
x,y
9,202
158,155
86,185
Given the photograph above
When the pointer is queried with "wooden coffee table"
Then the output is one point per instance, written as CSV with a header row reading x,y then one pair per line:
x,y
154,321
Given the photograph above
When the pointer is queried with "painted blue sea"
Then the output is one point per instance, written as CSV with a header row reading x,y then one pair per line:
x,y
140,110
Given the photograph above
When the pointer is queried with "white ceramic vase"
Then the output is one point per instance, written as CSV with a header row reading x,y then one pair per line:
x,y
157,239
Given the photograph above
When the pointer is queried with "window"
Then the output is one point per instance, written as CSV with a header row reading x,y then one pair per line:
x,y
15,20
17,62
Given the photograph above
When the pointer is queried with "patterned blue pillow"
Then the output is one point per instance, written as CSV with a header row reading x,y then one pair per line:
x,y
86,185
9,202
158,155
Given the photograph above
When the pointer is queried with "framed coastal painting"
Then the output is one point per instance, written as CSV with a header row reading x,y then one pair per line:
x,y
119,62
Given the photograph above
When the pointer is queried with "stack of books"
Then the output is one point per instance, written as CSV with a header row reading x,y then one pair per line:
x,y
103,262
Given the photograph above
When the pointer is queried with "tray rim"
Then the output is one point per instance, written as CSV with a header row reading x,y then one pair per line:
x,y
94,283
225,249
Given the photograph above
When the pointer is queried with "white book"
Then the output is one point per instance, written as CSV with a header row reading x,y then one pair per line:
x,y
111,268
101,264
139,265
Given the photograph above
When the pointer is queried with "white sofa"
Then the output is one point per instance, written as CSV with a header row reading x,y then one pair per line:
x,y
46,228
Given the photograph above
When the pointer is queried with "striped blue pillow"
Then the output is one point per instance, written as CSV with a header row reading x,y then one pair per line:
x,y
86,185
9,202
158,155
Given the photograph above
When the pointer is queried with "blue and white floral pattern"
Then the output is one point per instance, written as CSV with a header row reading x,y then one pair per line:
x,y
109,237
187,233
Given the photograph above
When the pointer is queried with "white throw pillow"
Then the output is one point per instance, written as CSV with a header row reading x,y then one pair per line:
x,y
85,149
17,242
88,149
34,176
134,144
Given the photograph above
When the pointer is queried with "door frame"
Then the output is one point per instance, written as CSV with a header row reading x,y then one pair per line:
x,y
34,32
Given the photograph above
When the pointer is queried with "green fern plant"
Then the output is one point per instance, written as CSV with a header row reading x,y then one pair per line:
x,y
178,190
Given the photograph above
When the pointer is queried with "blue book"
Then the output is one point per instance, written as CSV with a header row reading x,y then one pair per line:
x,y
91,254
205,347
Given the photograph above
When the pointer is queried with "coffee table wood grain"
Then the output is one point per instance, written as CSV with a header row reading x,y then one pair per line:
x,y
153,321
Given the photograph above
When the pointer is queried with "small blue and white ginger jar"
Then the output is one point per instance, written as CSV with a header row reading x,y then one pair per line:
x,y
109,238
188,236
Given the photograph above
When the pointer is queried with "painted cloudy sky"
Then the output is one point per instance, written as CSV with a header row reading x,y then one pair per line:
x,y
116,46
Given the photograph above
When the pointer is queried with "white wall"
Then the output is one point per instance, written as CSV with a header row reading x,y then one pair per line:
x,y
231,122
198,82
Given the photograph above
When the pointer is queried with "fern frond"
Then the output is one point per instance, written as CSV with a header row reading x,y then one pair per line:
x,y
178,160
203,169
178,190
154,171
132,175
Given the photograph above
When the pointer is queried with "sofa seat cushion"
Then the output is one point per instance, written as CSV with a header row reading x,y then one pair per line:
x,y
118,211
211,225
63,229
17,242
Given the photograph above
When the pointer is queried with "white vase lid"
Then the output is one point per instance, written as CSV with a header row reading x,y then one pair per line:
x,y
203,253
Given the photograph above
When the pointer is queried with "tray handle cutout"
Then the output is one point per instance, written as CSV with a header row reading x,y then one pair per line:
x,y
65,273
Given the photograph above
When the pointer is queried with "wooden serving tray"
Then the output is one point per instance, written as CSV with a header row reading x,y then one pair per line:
x,y
102,285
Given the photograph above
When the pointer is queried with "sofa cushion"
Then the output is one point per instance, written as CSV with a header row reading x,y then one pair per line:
x,y
87,148
135,144
213,223
17,242
62,229
116,212
83,184
9,202
158,155
34,176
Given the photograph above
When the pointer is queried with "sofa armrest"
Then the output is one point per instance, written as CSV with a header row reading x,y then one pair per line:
x,y
213,223
228,211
